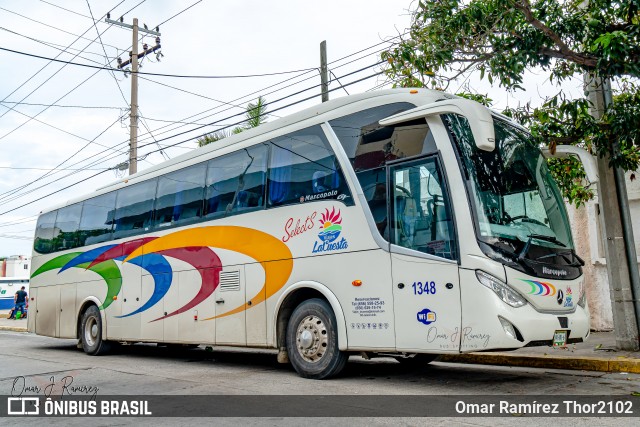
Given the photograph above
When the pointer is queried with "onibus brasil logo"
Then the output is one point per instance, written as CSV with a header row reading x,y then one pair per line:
x,y
330,229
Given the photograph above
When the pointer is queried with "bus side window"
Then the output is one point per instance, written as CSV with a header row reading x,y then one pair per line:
x,y
304,168
45,228
179,196
97,219
134,209
421,209
236,182
67,224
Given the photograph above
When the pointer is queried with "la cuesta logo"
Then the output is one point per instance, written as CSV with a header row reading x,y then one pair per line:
x,y
330,229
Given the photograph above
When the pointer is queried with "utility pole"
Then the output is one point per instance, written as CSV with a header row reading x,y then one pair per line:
x,y
617,232
324,71
133,115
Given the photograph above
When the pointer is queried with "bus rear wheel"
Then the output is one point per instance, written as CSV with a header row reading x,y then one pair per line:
x,y
312,341
91,333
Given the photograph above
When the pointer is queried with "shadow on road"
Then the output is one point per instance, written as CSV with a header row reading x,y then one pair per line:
x,y
374,369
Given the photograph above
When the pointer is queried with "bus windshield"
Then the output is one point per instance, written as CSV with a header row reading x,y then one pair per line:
x,y
516,203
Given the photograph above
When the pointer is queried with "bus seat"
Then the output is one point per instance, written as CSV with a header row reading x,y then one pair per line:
x,y
243,199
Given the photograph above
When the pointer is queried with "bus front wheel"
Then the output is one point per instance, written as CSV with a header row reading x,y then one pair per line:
x,y
91,333
312,341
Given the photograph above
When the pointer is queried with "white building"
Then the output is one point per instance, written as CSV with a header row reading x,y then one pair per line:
x,y
15,266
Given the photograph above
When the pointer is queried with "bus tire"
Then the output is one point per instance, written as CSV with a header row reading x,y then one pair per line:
x,y
417,361
91,333
312,341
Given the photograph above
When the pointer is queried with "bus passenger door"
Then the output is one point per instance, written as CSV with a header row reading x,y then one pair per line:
x,y
230,297
426,285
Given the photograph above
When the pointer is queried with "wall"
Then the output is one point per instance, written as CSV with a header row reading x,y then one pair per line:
x,y
16,266
585,225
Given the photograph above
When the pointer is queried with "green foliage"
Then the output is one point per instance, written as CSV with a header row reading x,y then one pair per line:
x,y
256,114
501,39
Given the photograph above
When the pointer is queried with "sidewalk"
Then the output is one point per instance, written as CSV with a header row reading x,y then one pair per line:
x,y
12,325
598,353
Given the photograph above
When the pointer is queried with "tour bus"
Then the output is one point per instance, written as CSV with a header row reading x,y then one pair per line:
x,y
8,288
404,223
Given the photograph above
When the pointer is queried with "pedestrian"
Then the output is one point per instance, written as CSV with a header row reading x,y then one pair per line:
x,y
20,302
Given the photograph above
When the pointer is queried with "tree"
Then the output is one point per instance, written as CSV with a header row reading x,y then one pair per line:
x,y
501,39
256,114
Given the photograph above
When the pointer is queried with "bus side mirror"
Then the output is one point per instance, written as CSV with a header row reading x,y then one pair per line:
x,y
587,160
478,115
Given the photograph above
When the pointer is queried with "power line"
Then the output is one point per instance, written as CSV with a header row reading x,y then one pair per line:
x,y
50,77
51,26
29,104
19,221
53,45
68,10
62,130
47,169
46,108
245,96
11,236
261,91
55,192
180,142
190,93
11,192
239,76
182,11
277,109
76,55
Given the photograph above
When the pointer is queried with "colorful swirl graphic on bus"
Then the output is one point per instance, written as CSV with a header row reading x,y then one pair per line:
x,y
540,288
192,246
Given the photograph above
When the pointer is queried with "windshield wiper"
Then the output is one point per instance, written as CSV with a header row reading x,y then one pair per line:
x,y
563,255
525,249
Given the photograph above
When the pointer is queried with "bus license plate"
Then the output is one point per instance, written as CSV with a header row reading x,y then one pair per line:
x,y
560,338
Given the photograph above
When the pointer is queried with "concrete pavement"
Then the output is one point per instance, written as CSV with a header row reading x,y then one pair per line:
x,y
19,325
598,353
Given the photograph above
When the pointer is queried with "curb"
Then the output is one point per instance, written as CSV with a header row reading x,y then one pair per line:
x,y
13,328
630,365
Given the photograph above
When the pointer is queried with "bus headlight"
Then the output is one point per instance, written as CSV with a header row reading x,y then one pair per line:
x,y
501,289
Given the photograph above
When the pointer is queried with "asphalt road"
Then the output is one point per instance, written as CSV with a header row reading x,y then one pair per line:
x,y
148,370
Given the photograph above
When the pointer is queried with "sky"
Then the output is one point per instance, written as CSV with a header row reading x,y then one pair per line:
x,y
50,154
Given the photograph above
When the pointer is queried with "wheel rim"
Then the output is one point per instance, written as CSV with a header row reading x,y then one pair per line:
x,y
312,339
91,331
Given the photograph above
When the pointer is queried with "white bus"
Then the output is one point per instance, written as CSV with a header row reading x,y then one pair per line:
x,y
8,288
405,223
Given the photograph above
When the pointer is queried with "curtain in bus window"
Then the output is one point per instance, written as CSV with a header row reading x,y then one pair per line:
x,y
67,224
374,187
45,229
96,222
236,182
303,168
279,175
134,209
179,196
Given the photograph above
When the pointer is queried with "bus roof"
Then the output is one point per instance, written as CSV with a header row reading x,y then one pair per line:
x,y
418,96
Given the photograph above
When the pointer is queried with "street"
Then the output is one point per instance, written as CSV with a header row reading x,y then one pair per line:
x,y
148,369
